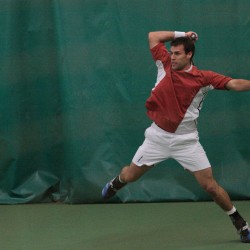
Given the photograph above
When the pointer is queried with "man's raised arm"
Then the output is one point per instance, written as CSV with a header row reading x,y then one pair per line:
x,y
156,37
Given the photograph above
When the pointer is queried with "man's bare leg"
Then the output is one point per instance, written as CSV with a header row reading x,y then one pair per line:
x,y
208,183
128,174
220,196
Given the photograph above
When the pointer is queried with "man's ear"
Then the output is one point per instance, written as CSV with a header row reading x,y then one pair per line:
x,y
189,54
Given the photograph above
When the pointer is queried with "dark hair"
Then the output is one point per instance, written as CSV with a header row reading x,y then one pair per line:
x,y
188,44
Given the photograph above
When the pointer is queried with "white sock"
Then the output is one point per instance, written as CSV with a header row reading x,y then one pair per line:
x,y
121,180
233,210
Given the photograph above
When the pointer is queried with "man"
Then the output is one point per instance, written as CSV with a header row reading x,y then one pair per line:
x,y
174,107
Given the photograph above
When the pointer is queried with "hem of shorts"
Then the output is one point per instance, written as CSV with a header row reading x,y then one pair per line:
x,y
196,170
144,164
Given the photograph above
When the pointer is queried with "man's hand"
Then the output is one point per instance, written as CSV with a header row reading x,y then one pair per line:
x,y
192,35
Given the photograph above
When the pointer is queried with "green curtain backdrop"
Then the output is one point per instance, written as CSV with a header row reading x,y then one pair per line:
x,y
74,77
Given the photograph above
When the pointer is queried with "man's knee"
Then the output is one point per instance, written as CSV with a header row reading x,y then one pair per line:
x,y
211,187
207,182
133,172
128,175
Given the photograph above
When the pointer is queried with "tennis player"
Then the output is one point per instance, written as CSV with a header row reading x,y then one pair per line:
x,y
174,106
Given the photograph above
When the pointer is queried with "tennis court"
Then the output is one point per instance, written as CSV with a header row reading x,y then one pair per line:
x,y
182,225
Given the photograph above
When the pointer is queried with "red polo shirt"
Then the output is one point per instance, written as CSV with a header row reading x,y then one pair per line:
x,y
175,90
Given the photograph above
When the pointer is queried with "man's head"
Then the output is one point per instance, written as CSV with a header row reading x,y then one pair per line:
x,y
182,52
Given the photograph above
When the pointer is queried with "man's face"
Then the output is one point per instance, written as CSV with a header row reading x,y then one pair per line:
x,y
179,59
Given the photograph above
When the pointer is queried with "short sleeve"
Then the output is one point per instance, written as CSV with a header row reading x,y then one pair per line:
x,y
159,52
218,81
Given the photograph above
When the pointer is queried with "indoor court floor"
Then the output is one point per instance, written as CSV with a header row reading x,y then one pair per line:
x,y
141,226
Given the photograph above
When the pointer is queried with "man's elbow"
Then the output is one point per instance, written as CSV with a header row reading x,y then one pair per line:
x,y
152,39
151,36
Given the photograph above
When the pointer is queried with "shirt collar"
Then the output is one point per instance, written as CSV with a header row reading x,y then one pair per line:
x,y
188,70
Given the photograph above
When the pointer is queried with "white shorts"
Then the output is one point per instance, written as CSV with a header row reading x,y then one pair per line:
x,y
160,145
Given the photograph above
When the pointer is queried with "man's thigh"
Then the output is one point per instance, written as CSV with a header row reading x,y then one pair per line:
x,y
154,149
188,151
